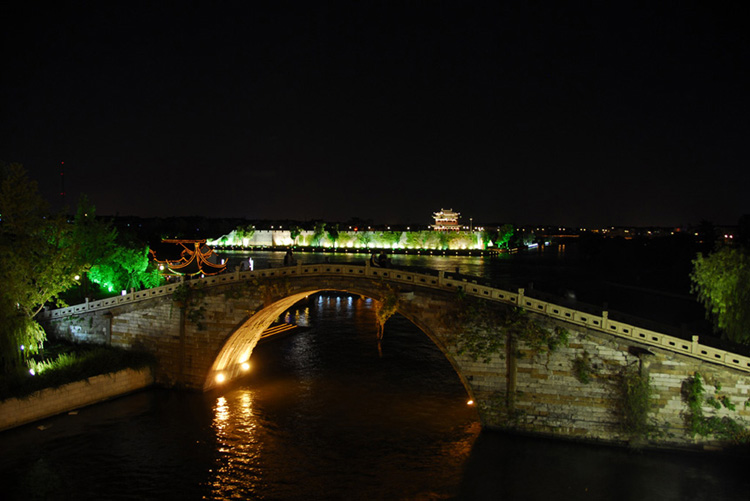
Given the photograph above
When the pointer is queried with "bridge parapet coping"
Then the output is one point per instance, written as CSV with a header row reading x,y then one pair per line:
x,y
443,282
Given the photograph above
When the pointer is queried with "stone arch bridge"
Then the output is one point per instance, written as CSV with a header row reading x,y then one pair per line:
x,y
206,333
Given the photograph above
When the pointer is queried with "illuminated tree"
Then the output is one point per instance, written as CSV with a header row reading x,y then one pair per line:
x,y
124,268
722,282
332,233
318,233
504,234
245,232
416,239
41,259
364,238
463,240
444,239
294,232
390,238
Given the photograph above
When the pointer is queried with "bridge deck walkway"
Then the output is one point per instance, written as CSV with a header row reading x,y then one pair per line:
x,y
440,280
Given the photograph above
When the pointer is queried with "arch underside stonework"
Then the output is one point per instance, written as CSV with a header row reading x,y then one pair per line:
x,y
239,345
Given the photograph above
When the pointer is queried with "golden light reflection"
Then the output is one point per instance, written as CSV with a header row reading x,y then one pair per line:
x,y
246,403
245,366
221,412
220,377
237,466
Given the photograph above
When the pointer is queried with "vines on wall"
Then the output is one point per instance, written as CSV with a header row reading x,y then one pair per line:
x,y
636,402
725,427
190,299
385,308
583,369
481,329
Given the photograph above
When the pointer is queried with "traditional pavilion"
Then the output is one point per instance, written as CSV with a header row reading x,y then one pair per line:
x,y
446,220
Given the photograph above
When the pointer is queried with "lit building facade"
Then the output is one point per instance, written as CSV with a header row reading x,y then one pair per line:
x,y
446,220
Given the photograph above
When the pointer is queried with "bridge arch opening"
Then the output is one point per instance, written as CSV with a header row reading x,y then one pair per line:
x,y
234,357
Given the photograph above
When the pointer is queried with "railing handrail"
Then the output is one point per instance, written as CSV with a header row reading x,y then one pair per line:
x,y
442,282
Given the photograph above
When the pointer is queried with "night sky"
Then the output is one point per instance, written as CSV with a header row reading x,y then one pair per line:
x,y
523,112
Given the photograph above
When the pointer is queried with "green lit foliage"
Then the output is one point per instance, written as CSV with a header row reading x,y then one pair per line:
x,y
318,233
245,232
444,239
417,239
70,363
41,259
463,240
636,402
20,337
125,268
721,281
332,233
324,234
504,234
346,239
94,236
390,238
115,263
726,428
294,232
480,328
364,238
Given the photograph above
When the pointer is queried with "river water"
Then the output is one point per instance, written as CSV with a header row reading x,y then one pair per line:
x,y
324,414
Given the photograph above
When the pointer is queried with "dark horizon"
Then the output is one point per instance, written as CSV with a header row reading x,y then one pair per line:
x,y
577,116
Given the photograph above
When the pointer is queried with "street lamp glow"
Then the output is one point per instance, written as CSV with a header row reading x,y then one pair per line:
x,y
220,377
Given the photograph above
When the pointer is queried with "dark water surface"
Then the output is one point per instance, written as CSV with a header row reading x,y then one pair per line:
x,y
324,415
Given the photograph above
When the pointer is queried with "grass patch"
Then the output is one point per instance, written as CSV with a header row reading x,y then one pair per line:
x,y
67,363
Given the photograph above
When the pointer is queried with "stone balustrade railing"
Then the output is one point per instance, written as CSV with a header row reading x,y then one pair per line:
x,y
439,280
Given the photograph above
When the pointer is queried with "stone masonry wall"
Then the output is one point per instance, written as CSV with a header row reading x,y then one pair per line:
x,y
52,401
548,397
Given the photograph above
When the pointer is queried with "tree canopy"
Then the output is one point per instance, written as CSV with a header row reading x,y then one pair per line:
x,y
504,233
41,259
721,281
45,254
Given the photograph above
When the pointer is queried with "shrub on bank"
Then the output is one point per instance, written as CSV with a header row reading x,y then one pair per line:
x,y
68,364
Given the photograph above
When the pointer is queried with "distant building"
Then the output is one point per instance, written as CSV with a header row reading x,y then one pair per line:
x,y
446,220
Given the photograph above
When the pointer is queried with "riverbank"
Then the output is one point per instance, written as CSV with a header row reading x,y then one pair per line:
x,y
72,396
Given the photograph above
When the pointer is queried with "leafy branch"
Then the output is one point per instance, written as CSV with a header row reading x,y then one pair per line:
x,y
693,393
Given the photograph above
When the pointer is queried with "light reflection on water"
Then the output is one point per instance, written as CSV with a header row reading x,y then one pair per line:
x,y
323,416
